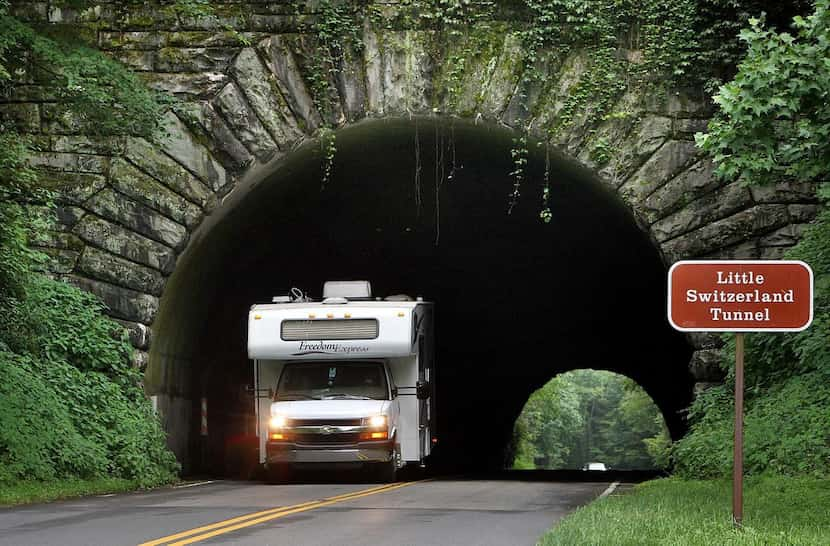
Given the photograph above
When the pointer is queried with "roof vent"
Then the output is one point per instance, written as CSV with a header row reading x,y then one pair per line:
x,y
347,289
281,299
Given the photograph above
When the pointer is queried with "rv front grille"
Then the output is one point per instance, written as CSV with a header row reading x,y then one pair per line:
x,y
327,439
322,422
329,329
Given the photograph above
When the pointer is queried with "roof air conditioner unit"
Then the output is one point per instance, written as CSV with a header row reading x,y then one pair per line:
x,y
347,289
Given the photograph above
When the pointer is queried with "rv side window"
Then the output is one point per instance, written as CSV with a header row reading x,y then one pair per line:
x,y
333,380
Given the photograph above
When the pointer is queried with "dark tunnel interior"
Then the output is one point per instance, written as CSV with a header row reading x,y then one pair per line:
x,y
419,206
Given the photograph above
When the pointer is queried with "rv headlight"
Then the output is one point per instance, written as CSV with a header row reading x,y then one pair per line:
x,y
377,421
278,421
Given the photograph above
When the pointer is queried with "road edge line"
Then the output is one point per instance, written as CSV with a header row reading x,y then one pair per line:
x,y
185,486
608,490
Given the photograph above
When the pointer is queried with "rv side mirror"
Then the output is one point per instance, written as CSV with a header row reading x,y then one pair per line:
x,y
422,390
394,392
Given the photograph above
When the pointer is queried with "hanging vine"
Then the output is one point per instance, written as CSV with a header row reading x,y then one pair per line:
x,y
519,155
545,214
337,30
641,46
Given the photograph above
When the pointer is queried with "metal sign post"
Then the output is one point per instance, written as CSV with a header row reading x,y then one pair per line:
x,y
740,296
738,464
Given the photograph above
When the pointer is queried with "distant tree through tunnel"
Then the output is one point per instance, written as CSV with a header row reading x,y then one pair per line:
x,y
419,206
589,418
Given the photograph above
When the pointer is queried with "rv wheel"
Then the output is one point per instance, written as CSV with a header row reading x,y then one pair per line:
x,y
278,473
386,472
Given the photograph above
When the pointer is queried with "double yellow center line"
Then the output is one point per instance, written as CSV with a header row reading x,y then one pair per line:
x,y
221,527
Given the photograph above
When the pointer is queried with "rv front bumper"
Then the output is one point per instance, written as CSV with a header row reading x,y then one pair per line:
x,y
287,453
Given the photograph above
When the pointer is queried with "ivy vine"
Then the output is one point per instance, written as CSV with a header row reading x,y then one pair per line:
x,y
337,29
644,46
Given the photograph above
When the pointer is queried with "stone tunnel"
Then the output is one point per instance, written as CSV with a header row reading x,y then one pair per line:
x,y
181,235
518,300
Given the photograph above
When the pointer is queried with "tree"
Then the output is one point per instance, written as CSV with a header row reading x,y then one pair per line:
x,y
548,425
589,415
774,118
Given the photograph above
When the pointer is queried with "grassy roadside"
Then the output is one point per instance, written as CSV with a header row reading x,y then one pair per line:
x,y
777,511
32,491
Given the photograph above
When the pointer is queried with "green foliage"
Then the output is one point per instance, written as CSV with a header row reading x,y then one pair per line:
x,y
100,96
519,154
549,425
71,405
29,491
338,33
190,9
780,511
37,437
786,428
60,322
718,27
589,415
773,126
774,119
89,416
18,186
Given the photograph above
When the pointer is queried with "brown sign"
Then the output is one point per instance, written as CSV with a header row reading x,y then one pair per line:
x,y
740,296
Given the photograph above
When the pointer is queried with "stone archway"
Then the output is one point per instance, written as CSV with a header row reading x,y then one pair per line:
x,y
518,300
136,206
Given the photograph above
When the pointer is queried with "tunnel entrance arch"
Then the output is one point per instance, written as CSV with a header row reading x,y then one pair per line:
x,y
420,206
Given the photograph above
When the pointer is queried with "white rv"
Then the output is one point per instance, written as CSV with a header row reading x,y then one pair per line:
x,y
345,381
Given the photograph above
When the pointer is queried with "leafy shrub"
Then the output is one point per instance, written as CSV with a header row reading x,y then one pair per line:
x,y
787,392
38,437
80,361
60,322
71,405
785,431
773,126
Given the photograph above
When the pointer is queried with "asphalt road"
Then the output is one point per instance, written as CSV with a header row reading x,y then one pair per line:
x,y
440,512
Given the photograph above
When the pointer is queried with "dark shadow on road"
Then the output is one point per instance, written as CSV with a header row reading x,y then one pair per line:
x,y
623,476
415,474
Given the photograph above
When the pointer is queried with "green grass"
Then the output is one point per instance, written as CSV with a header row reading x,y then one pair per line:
x,y
777,511
31,491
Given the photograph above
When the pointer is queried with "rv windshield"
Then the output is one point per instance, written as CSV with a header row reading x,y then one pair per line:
x,y
333,381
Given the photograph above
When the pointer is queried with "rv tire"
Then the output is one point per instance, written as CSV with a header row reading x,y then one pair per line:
x,y
386,472
278,473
